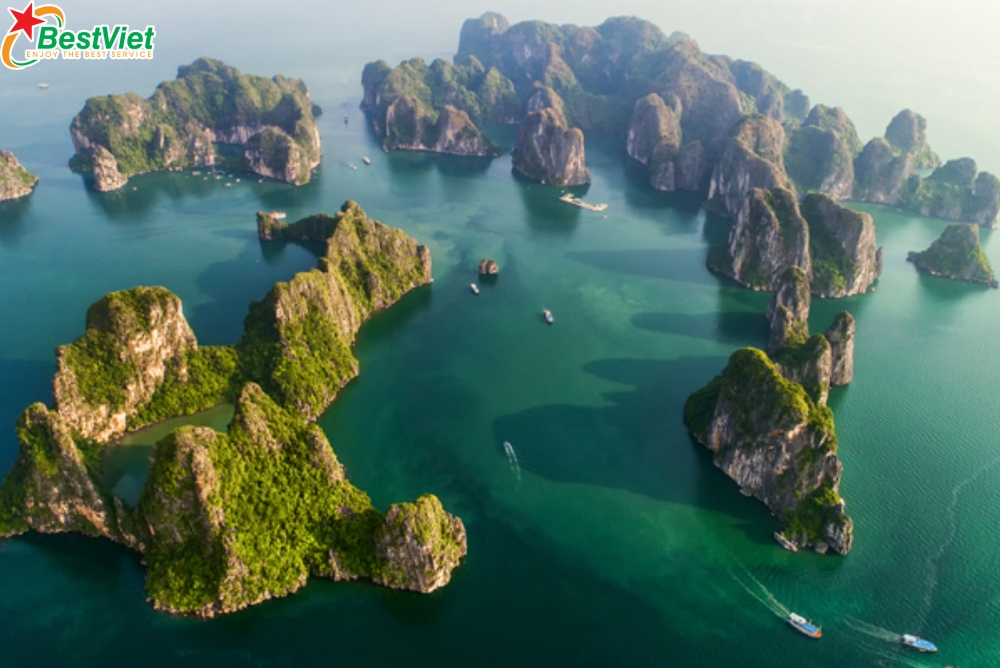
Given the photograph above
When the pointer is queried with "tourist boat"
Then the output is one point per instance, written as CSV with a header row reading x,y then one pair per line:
x,y
475,290
918,643
43,86
547,314
785,543
805,627
570,198
366,160
508,448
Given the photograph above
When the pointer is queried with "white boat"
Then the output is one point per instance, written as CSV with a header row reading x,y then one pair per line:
x,y
570,198
508,448
800,624
547,314
43,86
475,290
785,543
918,643
366,160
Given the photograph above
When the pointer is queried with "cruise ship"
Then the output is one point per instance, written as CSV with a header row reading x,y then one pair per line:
x,y
805,627
918,643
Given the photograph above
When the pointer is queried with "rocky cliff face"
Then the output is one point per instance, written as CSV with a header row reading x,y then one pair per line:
x,y
115,368
768,435
907,134
15,181
880,173
654,139
653,123
845,259
421,544
841,337
548,150
820,154
752,159
488,267
412,127
768,236
788,310
957,255
955,192
119,136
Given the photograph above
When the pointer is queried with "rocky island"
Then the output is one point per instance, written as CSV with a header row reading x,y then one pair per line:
x,y
209,103
15,180
228,520
957,255
546,148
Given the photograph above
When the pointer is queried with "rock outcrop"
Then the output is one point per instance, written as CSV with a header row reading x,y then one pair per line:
x,y
15,181
788,310
955,192
778,444
548,150
488,267
841,337
412,127
907,134
272,119
845,258
654,139
768,236
752,159
116,366
884,165
820,154
957,255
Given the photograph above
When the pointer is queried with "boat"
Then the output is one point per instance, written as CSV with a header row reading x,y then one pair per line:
x,y
475,290
570,198
547,314
918,643
785,543
508,448
353,167
804,627
43,86
345,120
366,160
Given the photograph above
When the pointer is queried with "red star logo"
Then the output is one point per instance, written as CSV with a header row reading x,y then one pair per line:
x,y
25,21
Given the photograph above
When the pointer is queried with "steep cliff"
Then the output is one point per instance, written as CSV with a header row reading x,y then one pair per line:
x,y
845,259
768,435
117,136
654,139
768,236
236,519
114,369
955,192
15,181
820,154
884,165
788,310
841,337
297,340
752,159
957,255
548,150
411,126
907,134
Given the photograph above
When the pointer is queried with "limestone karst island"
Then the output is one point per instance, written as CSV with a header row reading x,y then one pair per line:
x,y
699,374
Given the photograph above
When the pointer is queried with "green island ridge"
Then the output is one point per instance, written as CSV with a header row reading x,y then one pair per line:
x,y
230,520
710,124
15,180
957,255
209,103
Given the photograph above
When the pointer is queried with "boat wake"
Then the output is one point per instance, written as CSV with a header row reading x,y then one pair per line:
x,y
515,467
761,593
872,630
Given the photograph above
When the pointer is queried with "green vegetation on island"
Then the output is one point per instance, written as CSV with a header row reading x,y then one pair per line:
x,y
209,103
15,180
957,255
230,520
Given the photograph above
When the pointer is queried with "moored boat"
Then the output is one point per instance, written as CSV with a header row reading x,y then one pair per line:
x,y
43,86
547,314
918,643
570,198
805,627
474,288
366,160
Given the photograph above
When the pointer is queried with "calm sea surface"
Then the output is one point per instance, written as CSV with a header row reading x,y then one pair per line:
x,y
614,541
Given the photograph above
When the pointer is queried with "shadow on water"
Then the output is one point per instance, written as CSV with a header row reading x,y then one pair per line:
x,y
638,443
640,195
21,384
545,212
687,265
12,214
940,291
737,328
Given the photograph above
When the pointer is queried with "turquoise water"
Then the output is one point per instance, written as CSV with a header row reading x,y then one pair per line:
x,y
615,541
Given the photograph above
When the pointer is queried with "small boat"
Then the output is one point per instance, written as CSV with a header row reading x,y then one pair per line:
x,y
570,198
804,627
547,314
918,643
475,290
785,543
366,160
508,448
353,166
229,185
237,180
196,173
43,86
